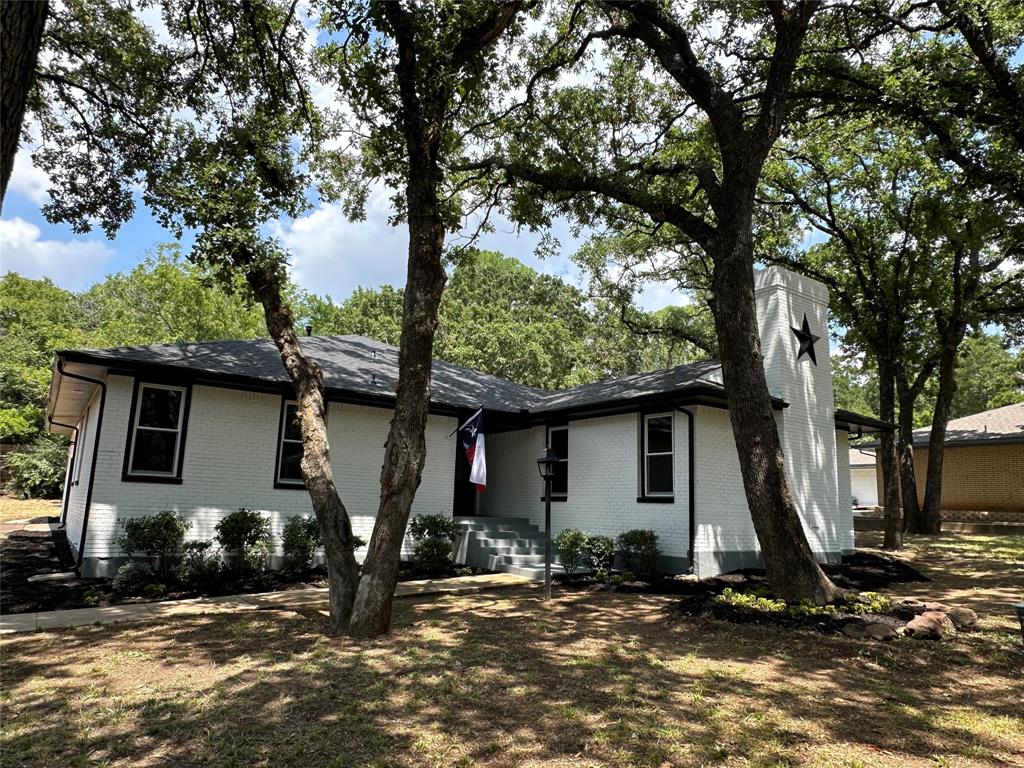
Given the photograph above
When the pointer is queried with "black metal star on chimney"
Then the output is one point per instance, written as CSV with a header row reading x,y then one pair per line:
x,y
807,340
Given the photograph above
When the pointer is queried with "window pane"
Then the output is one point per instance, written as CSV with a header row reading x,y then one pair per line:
x,y
291,456
659,474
560,482
159,408
154,451
292,429
659,434
559,442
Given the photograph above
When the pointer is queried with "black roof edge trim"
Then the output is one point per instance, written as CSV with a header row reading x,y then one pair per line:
x,y
854,422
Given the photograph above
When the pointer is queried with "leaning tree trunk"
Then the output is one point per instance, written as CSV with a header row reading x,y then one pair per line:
x,y
335,525
912,522
21,32
931,512
792,571
887,461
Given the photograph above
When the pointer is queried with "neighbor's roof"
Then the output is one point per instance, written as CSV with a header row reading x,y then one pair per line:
x,y
999,425
367,370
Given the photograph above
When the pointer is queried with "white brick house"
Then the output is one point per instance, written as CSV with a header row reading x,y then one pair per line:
x,y
203,429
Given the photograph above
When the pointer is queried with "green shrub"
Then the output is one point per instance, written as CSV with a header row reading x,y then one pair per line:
x,y
867,602
639,552
300,539
37,471
158,536
133,577
247,534
433,535
200,564
437,526
154,591
601,555
757,600
572,549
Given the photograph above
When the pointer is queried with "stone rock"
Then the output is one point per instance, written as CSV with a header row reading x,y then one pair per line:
x,y
883,632
940,607
962,618
930,625
908,608
856,629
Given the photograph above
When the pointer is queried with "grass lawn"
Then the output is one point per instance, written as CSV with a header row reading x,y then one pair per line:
x,y
597,679
26,509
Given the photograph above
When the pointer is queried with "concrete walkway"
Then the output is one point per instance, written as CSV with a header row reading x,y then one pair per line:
x,y
311,598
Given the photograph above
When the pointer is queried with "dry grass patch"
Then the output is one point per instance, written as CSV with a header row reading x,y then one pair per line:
x,y
601,679
25,509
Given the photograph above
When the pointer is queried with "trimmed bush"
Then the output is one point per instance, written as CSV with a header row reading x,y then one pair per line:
x,y
246,533
300,539
133,577
433,535
37,471
601,555
639,552
157,536
200,565
572,549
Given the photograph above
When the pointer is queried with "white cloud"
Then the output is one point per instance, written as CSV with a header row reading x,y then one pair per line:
x,y
72,264
27,180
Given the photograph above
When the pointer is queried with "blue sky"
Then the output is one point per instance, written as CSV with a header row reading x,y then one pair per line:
x,y
330,255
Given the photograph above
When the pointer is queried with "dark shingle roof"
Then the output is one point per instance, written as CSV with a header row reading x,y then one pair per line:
x,y
366,367
999,425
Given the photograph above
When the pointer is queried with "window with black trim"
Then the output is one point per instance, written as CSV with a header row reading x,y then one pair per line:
x,y
289,449
657,458
558,441
157,431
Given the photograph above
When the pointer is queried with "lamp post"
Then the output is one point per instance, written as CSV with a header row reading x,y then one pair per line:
x,y
546,467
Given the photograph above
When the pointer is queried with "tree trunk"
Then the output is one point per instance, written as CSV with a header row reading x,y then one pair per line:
x,y
21,32
887,461
792,571
912,522
931,512
335,525
405,452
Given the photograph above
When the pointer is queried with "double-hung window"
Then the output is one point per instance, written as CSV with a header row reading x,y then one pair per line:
x,y
78,454
657,455
289,449
558,441
157,432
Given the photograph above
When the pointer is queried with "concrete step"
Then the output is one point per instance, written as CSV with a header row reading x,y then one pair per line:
x,y
463,519
518,541
535,572
499,526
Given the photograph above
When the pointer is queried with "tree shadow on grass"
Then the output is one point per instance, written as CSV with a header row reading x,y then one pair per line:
x,y
498,680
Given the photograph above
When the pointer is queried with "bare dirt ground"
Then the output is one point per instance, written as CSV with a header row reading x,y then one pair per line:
x,y
594,679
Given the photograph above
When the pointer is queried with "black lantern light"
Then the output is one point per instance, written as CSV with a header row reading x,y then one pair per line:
x,y
546,466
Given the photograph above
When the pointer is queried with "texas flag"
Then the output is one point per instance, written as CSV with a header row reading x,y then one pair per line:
x,y
472,435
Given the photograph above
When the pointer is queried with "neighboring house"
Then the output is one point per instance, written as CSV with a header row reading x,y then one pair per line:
x,y
863,482
206,428
982,464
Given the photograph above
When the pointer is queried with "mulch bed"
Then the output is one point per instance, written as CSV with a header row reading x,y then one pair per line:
x,y
28,553
860,572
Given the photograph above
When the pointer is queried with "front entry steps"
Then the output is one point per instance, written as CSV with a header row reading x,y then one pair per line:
x,y
507,544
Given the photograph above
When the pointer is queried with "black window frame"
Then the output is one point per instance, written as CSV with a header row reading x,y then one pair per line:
x,y
644,495
175,477
297,485
78,456
555,496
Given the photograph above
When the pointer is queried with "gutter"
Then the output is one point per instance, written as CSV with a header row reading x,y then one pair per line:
x,y
691,477
95,455
71,466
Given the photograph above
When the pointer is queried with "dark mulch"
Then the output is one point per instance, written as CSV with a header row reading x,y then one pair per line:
x,y
28,553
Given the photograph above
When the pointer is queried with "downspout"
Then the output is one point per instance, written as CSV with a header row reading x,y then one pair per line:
x,y
95,454
67,475
691,477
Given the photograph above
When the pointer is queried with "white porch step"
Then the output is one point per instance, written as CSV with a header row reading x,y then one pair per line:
x,y
507,544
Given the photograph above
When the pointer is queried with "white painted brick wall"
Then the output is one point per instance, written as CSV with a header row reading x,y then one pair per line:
x,y
845,495
603,481
229,462
84,449
809,436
